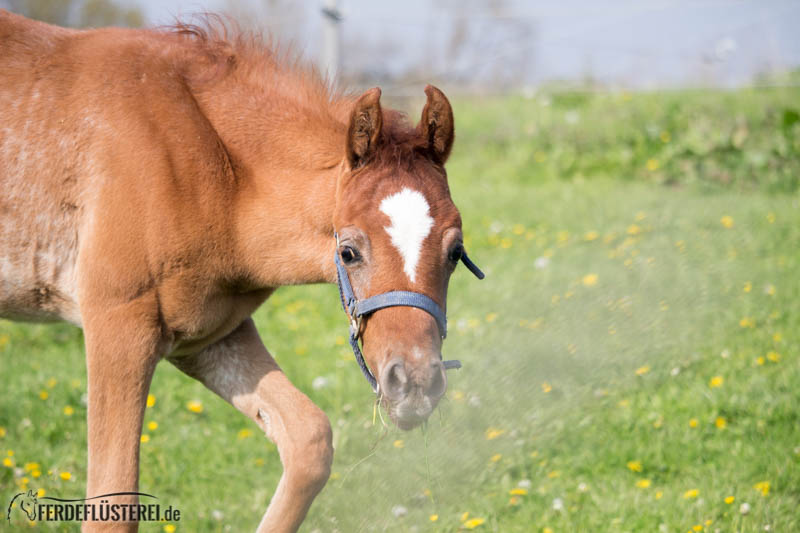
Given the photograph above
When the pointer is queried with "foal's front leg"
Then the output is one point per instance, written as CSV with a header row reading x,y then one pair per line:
x,y
122,349
240,369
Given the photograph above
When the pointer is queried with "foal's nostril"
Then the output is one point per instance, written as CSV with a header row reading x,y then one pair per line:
x,y
438,382
395,380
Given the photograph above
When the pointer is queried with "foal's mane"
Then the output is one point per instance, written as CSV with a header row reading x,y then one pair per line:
x,y
212,49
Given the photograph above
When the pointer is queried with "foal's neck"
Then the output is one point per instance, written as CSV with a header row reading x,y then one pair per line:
x,y
287,160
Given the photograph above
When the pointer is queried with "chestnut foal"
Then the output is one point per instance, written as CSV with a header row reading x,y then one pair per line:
x,y
159,185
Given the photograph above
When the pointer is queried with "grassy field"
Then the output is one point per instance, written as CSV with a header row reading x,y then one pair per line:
x,y
631,362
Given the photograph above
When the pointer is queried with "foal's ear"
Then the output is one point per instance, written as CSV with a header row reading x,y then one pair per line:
x,y
436,125
365,127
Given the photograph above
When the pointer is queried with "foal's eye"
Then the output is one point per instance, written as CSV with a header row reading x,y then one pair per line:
x,y
349,255
456,253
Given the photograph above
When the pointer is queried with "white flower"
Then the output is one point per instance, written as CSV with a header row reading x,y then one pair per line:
x,y
583,487
524,484
675,371
744,508
558,504
399,511
320,382
541,262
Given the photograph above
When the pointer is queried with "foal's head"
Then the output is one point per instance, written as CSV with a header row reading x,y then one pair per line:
x,y
400,231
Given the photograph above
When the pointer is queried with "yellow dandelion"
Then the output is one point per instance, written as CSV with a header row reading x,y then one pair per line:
x,y
652,164
659,495
546,387
518,492
464,516
244,433
634,229
762,487
68,410
41,492
716,381
635,466
554,474
8,462
2,432
589,280
194,406
760,360
698,527
665,136
726,221
506,243
518,229
491,317
642,370
720,422
144,438
496,457
747,322
152,426
547,530
643,483
590,235
151,400
708,522
398,443
472,523
493,433
169,528
777,337
771,217
44,395
66,476
691,494
36,473
730,499
774,356
433,517
747,287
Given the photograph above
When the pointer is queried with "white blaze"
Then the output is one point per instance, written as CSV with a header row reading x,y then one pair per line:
x,y
411,222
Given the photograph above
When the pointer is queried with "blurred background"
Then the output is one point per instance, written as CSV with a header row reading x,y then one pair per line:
x,y
627,174
499,45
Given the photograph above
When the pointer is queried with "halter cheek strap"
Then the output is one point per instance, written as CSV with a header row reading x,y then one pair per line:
x,y
357,309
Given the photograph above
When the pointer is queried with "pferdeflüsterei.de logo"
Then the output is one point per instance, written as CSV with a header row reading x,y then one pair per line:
x,y
104,508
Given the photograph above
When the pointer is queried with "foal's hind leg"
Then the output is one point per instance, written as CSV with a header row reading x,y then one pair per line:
x,y
240,369
122,345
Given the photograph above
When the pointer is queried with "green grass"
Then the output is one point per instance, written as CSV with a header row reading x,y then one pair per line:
x,y
550,354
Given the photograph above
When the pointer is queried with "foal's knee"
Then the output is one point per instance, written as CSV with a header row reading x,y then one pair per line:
x,y
310,465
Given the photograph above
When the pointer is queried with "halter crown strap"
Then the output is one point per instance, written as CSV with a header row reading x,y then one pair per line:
x,y
356,309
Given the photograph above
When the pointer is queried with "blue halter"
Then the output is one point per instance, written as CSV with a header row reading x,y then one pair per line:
x,y
357,309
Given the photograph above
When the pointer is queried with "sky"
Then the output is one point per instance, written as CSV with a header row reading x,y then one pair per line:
x,y
626,43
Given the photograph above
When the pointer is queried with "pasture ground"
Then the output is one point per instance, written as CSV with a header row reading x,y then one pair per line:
x,y
631,362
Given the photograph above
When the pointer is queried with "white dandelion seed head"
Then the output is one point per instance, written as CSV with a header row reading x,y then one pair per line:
x,y
558,504
744,508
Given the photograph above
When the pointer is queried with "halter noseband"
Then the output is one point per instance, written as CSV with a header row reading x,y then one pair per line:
x,y
357,309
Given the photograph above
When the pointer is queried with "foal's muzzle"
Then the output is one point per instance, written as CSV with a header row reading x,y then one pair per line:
x,y
411,393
